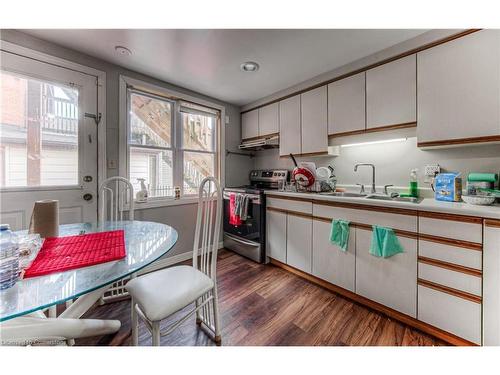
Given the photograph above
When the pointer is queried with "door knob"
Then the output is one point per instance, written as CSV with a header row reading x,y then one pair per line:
x,y
87,196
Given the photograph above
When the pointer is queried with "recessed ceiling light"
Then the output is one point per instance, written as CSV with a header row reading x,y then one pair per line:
x,y
124,51
249,66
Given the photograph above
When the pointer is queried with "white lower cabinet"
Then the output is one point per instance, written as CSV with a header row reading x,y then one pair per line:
x,y
438,281
390,281
329,262
299,242
453,314
491,283
276,235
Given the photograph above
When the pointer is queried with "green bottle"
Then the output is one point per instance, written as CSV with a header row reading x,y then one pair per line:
x,y
414,183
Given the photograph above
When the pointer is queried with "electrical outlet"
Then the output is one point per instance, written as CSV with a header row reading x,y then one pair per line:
x,y
432,170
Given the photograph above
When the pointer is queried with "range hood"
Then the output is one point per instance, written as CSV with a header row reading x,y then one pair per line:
x,y
261,143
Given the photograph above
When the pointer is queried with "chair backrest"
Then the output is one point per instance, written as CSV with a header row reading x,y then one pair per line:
x,y
118,192
208,221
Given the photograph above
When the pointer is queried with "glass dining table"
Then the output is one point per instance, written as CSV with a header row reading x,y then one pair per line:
x,y
21,317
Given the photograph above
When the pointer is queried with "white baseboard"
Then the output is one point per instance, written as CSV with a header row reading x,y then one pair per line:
x,y
170,261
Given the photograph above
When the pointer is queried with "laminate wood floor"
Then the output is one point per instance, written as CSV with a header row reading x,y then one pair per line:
x,y
265,305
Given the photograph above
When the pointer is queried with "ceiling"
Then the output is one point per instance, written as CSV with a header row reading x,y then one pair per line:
x,y
208,61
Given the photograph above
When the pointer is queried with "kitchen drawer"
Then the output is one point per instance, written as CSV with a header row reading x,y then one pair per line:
x,y
371,217
453,314
451,254
455,227
450,278
290,205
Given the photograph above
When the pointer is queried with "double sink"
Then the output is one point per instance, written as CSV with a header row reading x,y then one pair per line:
x,y
373,196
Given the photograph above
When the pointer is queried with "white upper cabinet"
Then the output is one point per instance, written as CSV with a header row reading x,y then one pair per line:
x,y
346,105
459,90
289,125
314,120
250,124
269,119
391,97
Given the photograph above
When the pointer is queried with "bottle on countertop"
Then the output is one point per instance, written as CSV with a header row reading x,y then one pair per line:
x,y
414,183
142,195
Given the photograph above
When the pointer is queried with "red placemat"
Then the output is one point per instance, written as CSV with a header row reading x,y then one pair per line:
x,y
66,253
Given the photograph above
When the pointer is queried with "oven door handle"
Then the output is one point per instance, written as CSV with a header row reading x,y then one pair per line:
x,y
249,243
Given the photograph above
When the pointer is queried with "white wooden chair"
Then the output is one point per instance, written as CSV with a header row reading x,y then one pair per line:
x,y
114,194
159,294
118,192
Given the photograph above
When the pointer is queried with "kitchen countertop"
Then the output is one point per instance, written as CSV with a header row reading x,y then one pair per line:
x,y
427,204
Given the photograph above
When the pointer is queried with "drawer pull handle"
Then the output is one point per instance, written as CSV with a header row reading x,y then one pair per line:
x,y
450,291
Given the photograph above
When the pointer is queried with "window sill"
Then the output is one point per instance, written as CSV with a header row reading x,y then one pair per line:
x,y
155,203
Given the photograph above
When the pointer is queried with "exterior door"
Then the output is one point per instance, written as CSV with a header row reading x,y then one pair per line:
x,y
48,147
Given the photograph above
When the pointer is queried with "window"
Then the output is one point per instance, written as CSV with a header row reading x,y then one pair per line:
x,y
38,132
198,145
170,143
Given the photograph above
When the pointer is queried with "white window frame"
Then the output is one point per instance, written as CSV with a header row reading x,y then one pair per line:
x,y
101,108
168,94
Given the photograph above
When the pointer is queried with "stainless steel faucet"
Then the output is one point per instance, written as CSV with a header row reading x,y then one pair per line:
x,y
373,174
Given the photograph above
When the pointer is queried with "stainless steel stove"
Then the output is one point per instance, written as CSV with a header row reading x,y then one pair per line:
x,y
249,238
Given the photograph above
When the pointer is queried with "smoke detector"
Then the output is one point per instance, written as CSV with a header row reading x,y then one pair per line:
x,y
123,51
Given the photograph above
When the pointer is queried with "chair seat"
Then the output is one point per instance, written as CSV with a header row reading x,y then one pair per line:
x,y
161,293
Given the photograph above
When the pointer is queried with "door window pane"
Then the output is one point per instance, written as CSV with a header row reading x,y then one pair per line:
x,y
150,121
198,132
197,166
155,167
38,132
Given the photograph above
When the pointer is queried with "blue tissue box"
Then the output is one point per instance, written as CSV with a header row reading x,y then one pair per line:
x,y
448,187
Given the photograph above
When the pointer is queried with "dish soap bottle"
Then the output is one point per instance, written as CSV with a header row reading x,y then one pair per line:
x,y
414,183
142,195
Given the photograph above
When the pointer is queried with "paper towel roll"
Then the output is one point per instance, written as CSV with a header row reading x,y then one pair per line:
x,y
45,218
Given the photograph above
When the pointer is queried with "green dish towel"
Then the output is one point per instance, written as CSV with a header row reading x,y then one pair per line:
x,y
339,234
385,243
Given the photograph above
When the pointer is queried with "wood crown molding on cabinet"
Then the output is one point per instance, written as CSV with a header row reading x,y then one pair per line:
x,y
402,233
286,197
452,217
261,137
359,206
492,223
368,67
374,130
451,266
451,241
450,291
427,328
289,212
460,141
320,153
